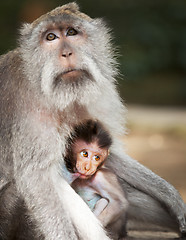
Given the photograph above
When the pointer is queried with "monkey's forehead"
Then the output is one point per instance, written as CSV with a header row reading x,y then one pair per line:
x,y
71,9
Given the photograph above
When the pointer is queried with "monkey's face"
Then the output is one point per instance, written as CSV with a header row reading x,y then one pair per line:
x,y
68,58
62,45
89,157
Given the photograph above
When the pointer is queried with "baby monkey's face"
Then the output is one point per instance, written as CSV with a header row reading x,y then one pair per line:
x,y
89,156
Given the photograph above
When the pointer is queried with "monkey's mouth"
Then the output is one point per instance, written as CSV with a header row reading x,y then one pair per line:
x,y
83,176
72,75
80,175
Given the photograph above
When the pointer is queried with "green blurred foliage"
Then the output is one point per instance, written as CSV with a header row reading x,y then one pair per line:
x,y
151,36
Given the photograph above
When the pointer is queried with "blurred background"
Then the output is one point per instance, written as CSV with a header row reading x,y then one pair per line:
x,y
151,39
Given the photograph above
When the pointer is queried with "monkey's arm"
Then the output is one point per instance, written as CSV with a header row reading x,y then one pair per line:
x,y
50,199
151,186
115,203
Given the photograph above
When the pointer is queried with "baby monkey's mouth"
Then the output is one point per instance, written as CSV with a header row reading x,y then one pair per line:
x,y
84,176
81,175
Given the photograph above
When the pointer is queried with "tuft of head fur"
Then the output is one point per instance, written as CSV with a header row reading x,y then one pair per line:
x,y
69,9
92,131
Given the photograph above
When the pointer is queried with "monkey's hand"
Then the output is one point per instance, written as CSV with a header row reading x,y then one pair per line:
x,y
100,206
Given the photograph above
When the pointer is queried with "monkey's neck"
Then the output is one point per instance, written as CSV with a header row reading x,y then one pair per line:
x,y
78,113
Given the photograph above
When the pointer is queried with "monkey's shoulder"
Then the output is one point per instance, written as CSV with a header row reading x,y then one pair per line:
x,y
10,67
104,171
105,174
11,56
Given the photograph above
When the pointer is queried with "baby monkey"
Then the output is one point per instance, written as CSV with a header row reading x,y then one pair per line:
x,y
87,152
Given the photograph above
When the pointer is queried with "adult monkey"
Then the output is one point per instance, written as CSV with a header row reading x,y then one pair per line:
x,y
63,73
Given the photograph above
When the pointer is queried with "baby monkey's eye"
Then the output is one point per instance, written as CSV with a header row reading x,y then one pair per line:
x,y
71,32
84,154
51,37
96,158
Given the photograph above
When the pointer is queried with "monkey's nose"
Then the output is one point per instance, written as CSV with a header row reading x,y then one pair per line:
x,y
86,167
66,54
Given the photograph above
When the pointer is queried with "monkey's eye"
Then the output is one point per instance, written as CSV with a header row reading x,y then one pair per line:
x,y
84,154
71,32
51,37
96,158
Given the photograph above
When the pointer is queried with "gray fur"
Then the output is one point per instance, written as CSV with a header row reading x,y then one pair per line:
x,y
36,117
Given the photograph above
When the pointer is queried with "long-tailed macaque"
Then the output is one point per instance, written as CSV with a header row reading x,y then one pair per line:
x,y
63,73
88,149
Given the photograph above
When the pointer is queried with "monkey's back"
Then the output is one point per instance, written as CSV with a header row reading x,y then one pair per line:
x,y
10,81
11,85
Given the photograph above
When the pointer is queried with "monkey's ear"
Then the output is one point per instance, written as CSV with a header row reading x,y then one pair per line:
x,y
25,29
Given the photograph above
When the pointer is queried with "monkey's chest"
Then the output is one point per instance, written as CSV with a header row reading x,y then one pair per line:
x,y
88,195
